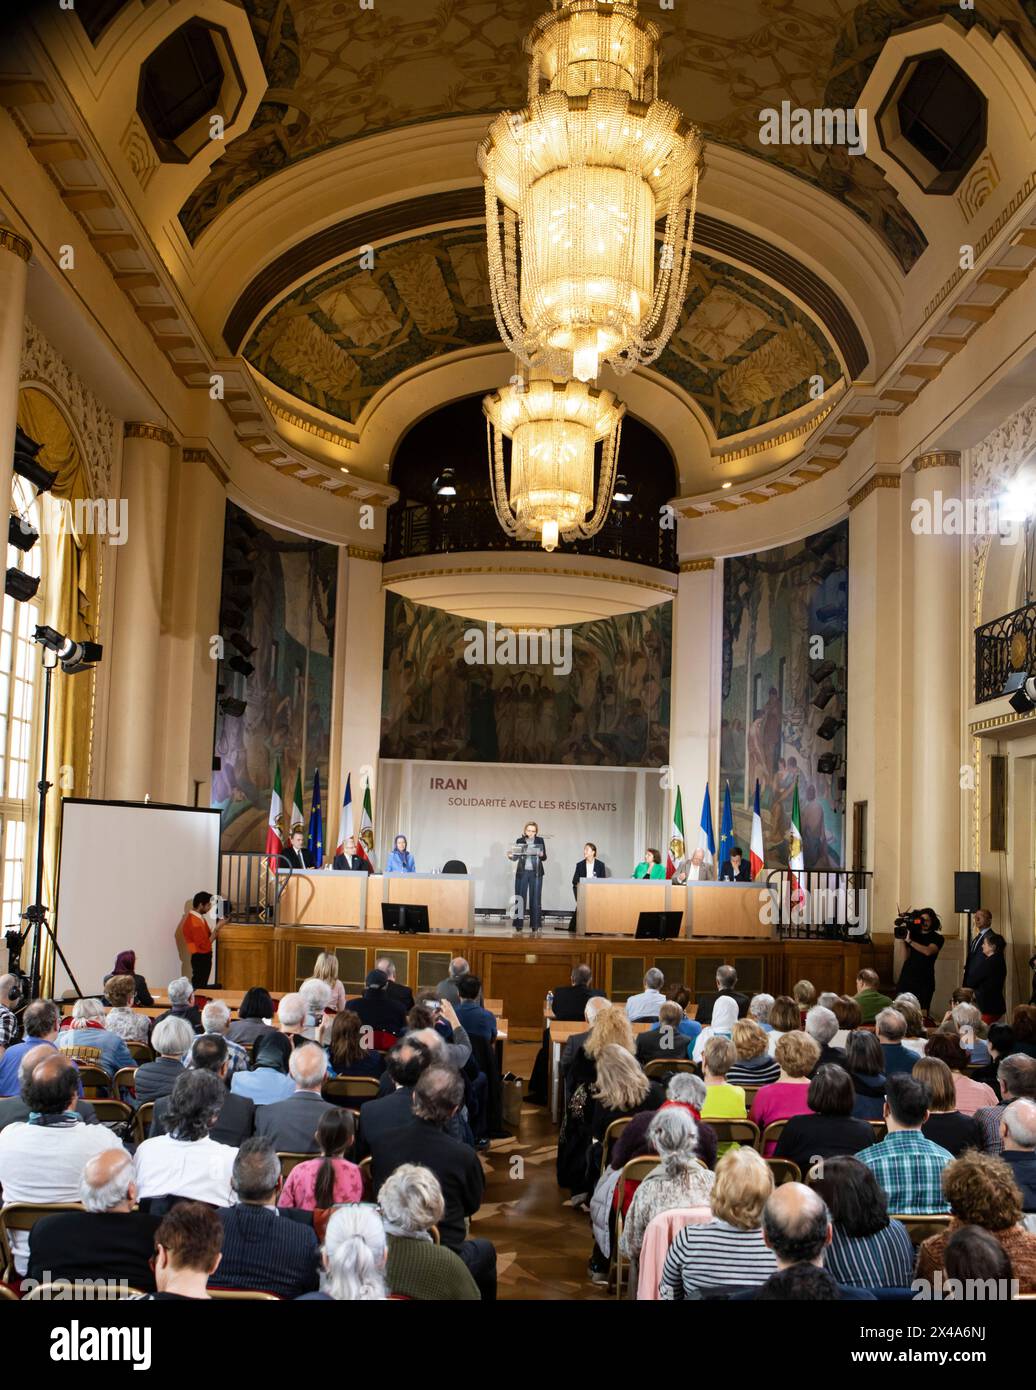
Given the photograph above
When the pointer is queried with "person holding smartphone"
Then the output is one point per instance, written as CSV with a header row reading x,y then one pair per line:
x,y
529,853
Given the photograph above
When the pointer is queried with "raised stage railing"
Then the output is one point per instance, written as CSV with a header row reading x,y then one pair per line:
x,y
821,904
250,888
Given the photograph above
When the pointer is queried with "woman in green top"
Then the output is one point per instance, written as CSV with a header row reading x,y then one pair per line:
x,y
411,1203
650,866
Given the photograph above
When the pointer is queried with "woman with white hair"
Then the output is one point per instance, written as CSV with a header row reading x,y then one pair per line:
x,y
316,995
170,1039
678,1181
85,1039
724,1016
355,1251
411,1203
684,1090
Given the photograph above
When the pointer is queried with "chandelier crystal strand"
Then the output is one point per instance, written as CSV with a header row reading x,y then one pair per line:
x,y
580,177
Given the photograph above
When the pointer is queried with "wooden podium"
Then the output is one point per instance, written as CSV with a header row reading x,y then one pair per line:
x,y
611,906
319,898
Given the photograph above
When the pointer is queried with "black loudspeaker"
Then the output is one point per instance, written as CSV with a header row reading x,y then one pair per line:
x,y
967,892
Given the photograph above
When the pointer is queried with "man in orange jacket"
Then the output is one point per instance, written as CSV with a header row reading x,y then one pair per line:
x,y
199,936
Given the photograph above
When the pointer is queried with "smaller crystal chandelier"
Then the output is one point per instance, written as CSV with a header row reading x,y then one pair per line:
x,y
554,429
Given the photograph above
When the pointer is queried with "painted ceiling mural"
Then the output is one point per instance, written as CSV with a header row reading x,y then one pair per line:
x,y
338,73
742,350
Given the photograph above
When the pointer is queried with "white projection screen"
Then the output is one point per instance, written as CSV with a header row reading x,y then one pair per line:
x,y
127,871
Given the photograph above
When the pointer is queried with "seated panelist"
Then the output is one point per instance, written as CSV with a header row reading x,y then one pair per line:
x,y
296,855
650,866
400,860
588,867
694,869
351,859
735,869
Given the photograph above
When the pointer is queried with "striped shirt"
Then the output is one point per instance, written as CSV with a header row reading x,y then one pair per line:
x,y
884,1260
989,1117
908,1168
754,1074
716,1254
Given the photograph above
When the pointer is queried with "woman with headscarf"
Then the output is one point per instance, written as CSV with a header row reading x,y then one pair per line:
x,y
724,1016
400,860
126,964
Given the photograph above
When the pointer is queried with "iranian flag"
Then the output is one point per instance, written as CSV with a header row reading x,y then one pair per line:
x,y
298,815
756,851
796,862
677,845
345,816
365,839
275,825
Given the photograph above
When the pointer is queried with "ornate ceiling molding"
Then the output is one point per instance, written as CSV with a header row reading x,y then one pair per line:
x,y
94,425
880,480
463,205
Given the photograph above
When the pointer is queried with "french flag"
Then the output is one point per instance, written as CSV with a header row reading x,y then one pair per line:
x,y
345,818
756,851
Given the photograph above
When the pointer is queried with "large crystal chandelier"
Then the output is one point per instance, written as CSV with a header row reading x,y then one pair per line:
x,y
554,429
575,185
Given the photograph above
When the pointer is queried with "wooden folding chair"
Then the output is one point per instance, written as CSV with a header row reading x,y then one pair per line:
x,y
636,1170
608,1143
783,1169
96,1081
141,1052
125,1079
22,1216
772,1133
112,1112
658,1066
142,1121
339,1090
919,1228
290,1161
735,1131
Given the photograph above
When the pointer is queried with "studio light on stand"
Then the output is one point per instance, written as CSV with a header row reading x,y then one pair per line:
x,y
73,657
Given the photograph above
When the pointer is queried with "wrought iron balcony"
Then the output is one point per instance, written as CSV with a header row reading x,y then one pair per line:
x,y
470,524
1002,649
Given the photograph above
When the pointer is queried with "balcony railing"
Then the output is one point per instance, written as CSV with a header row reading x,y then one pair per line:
x,y
470,524
1002,648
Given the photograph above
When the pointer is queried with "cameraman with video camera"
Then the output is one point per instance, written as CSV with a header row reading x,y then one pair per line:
x,y
921,933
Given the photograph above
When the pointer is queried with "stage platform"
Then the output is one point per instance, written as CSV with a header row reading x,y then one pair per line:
x,y
519,970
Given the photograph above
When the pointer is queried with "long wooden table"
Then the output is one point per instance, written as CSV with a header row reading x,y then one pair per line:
x,y
352,900
717,911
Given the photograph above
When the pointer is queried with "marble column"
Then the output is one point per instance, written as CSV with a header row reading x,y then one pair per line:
x,y
874,704
15,253
694,708
356,704
135,701
934,710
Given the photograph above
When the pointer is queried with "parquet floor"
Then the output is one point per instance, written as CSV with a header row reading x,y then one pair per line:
x,y
542,1245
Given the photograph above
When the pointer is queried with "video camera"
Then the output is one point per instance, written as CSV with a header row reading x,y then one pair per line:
x,y
908,924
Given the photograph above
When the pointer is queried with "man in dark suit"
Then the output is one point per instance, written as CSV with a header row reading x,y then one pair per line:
x,y
236,1121
263,1248
296,856
396,992
107,1241
569,1004
376,1009
982,921
890,1027
663,1043
291,1125
351,859
735,869
726,979
438,1096
404,1064
528,874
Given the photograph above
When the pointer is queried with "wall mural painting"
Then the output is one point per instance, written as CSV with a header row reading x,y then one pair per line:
x,y
785,612
278,596
601,697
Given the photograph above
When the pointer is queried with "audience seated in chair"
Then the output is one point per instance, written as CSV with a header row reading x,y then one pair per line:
x,y
665,1041
726,980
784,1018
40,1024
610,1026
187,1161
411,1203
350,1052
869,997
829,1130
797,1055
237,1114
385,1016
754,1065
971,1095
867,1250
188,1245
684,1090
1018,1134
644,1007
908,1166
865,1063
1016,1079
727,1252
215,1023
269,1080
972,1255
171,1038
945,1126
981,1191
121,993
42,1161
436,1100
14,1109
404,1065
797,1228
678,1181
330,1179
255,1016
291,1124
262,1248
890,1027
722,1101
355,1253
85,1039
822,1026
109,1240
181,1003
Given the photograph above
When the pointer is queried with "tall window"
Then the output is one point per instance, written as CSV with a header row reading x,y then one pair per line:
x,y
19,676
